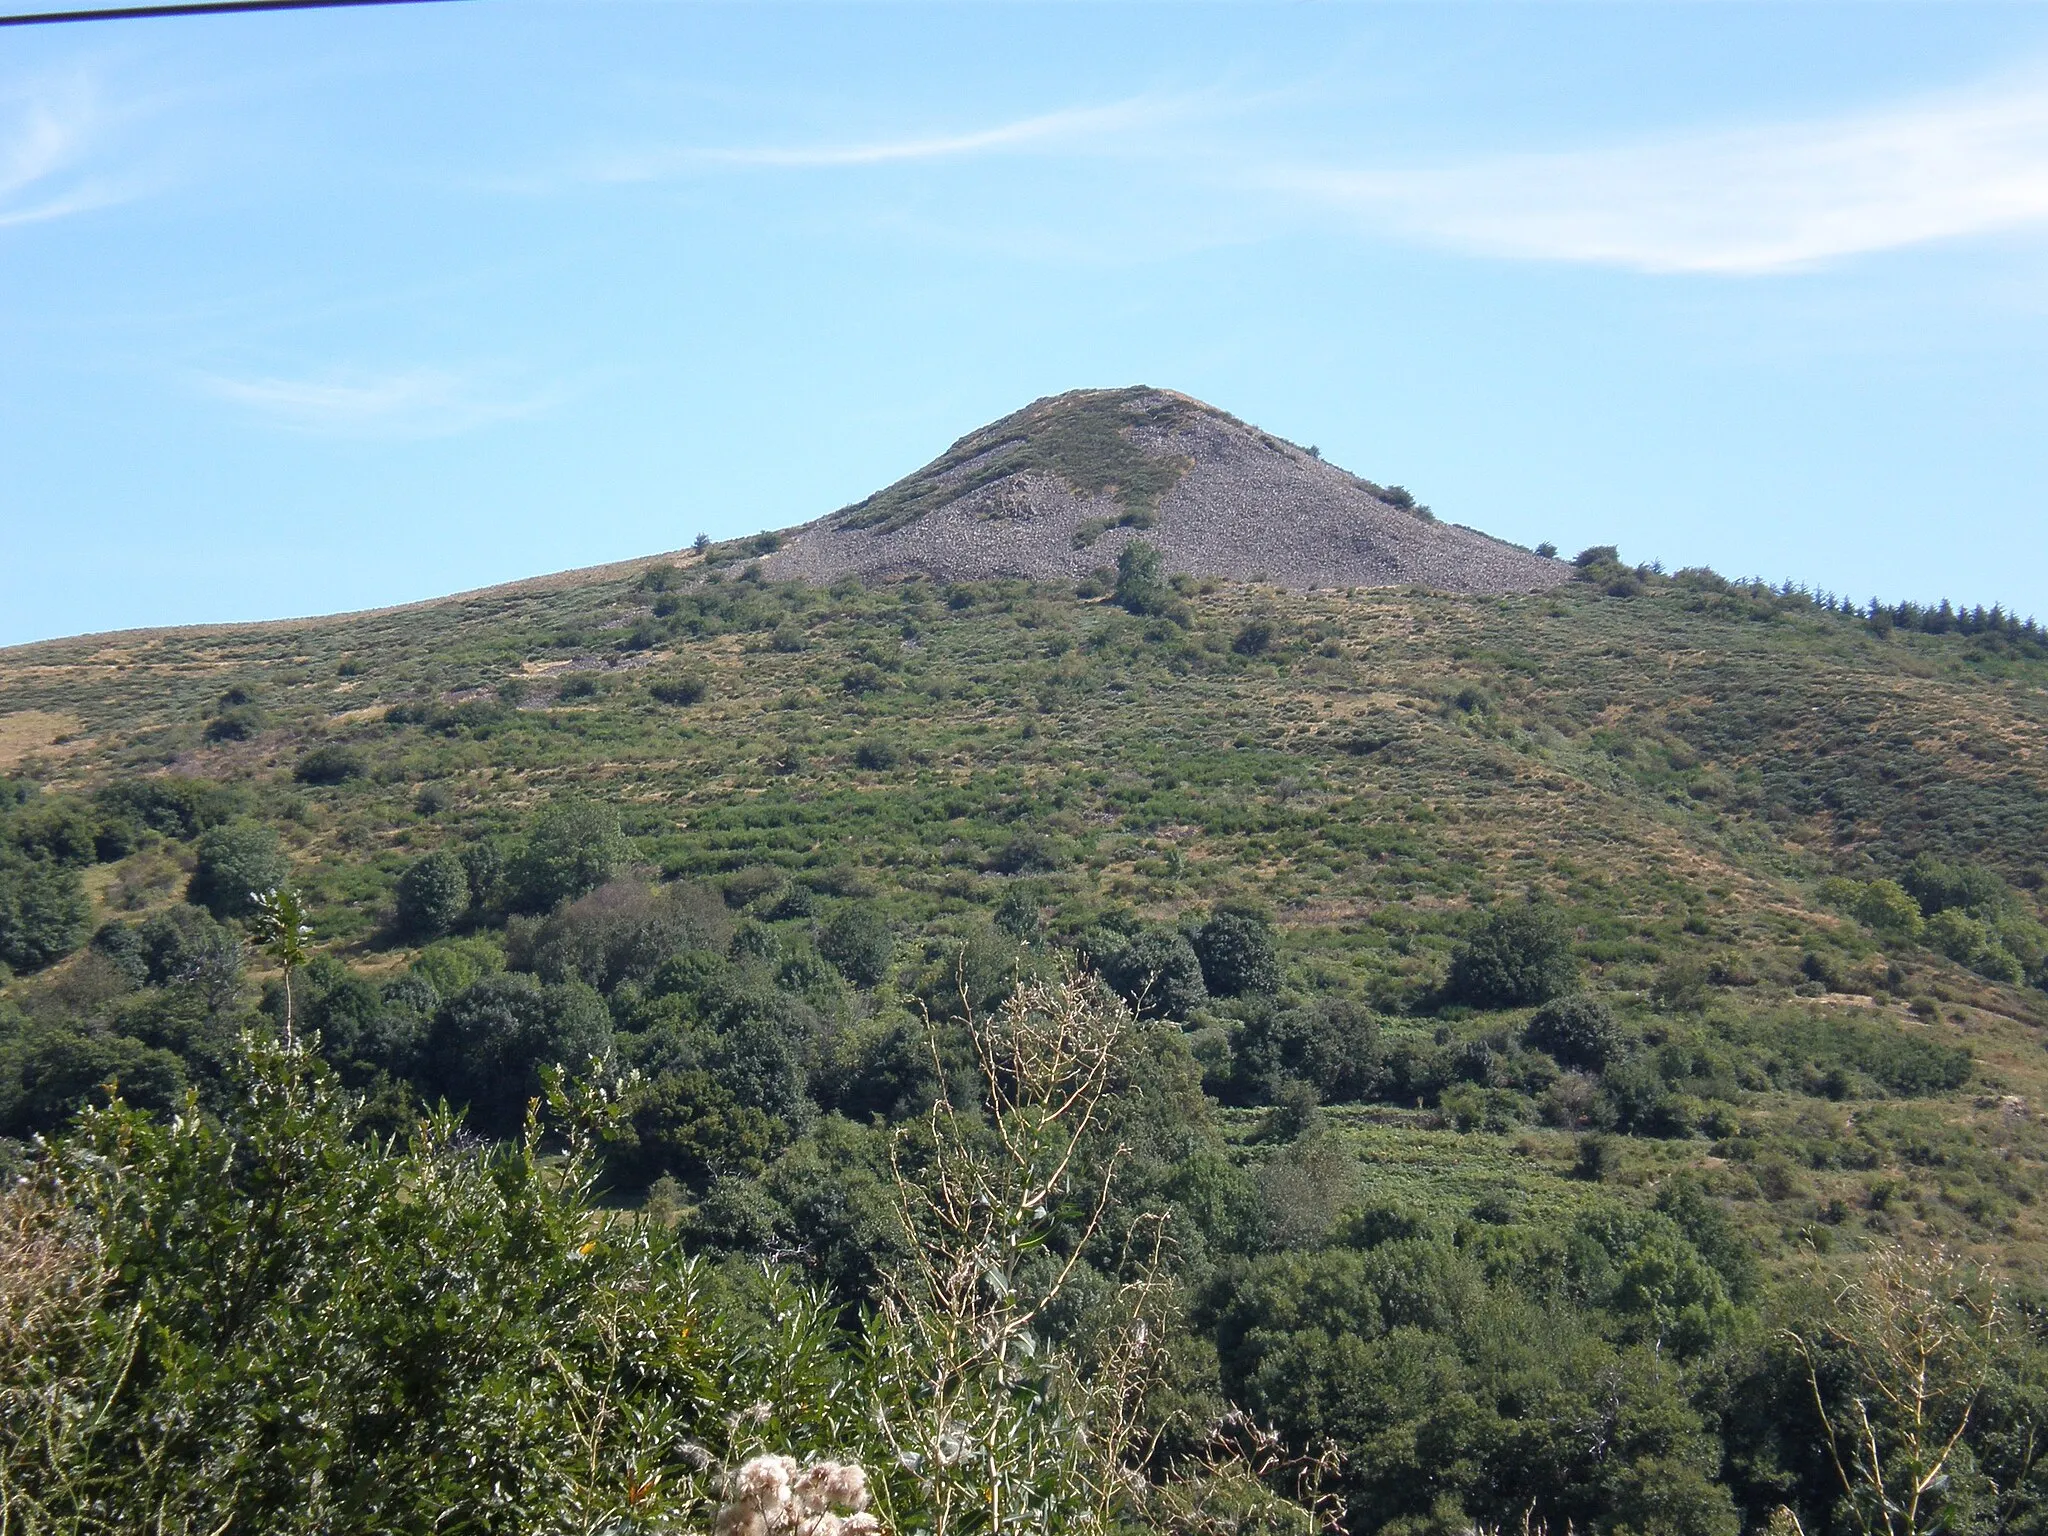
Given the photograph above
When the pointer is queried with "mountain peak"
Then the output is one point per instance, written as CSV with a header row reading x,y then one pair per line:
x,y
1056,489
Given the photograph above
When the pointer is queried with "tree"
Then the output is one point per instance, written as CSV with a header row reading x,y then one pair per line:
x,y
1521,955
490,1042
1939,886
1887,910
483,865
574,847
43,911
433,893
686,689
1333,1047
1141,581
280,930
1968,941
1155,971
185,944
1576,1031
857,941
235,861
1237,952
331,764
1896,1368
624,930
50,1070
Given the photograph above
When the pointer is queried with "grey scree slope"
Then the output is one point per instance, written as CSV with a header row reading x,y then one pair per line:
x,y
1246,506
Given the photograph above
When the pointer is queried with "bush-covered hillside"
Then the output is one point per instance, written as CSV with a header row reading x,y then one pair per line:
x,y
1537,1002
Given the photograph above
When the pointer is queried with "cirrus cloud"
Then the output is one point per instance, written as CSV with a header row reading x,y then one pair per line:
x,y
50,131
1743,200
407,403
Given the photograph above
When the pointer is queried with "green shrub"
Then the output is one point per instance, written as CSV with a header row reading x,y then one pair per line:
x,y
236,862
856,939
491,1042
1940,886
450,965
687,689
234,725
43,911
1577,1031
1885,908
331,764
1028,853
49,1071
575,845
56,830
1237,954
1521,955
1155,970
1141,581
877,755
433,894
1968,941
186,944
1254,639
1334,1047
439,1328
624,930
175,807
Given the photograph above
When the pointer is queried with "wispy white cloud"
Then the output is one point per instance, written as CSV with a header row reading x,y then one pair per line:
x,y
413,403
1748,200
1069,129
49,133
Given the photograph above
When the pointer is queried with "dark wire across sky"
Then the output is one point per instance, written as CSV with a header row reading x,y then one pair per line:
x,y
194,8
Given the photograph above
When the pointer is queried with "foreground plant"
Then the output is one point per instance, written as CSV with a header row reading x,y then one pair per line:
x,y
277,1325
1908,1346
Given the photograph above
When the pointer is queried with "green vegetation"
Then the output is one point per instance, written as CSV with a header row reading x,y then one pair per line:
x,y
1082,439
1538,1015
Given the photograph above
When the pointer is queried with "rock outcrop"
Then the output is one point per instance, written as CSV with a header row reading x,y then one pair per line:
x,y
1055,490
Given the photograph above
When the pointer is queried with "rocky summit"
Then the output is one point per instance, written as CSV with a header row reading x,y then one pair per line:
x,y
1056,490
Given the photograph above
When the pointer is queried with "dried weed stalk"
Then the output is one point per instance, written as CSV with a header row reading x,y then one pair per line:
x,y
1917,1336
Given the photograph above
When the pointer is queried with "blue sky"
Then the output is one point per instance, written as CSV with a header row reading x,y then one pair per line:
x,y
323,310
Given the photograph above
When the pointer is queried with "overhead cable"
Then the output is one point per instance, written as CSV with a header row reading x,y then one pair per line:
x,y
191,8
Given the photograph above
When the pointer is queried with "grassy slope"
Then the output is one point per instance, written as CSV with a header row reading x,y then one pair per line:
x,y
1680,769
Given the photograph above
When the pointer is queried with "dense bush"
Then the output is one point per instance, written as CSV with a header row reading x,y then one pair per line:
x,y
623,931
876,756
175,807
1141,581
1940,886
684,690
403,1338
1577,1031
179,944
491,1041
1237,953
332,764
1886,908
856,939
1155,970
574,847
433,894
43,911
1520,955
1333,1047
235,862
48,1070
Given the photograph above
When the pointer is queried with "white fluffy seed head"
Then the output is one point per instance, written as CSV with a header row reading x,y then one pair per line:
x,y
829,1485
770,1496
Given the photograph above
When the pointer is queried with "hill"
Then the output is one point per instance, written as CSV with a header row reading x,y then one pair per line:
x,y
1537,985
1055,490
